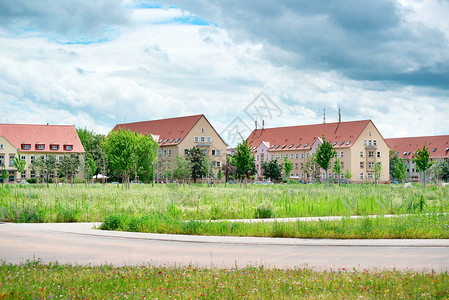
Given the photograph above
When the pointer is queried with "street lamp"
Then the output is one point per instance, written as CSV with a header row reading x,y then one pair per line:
x,y
152,174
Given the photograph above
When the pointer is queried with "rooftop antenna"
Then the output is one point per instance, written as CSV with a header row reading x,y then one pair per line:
x,y
339,114
256,124
324,116
263,124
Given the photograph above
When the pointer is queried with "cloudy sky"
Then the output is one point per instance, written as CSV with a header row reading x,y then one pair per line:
x,y
98,63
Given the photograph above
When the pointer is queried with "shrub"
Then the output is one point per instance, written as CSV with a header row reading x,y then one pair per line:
x,y
264,210
113,222
31,180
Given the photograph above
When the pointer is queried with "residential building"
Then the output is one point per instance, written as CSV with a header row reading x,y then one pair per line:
x,y
358,144
406,147
32,141
176,135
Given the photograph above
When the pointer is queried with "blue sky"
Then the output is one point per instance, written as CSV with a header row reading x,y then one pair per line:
x,y
98,63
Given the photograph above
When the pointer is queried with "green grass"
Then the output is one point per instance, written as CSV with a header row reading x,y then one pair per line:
x,y
37,280
94,203
401,227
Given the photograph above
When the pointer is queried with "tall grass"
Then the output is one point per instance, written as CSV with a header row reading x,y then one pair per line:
x,y
186,202
37,280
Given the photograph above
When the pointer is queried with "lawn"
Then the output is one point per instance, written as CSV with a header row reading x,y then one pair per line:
x,y
37,280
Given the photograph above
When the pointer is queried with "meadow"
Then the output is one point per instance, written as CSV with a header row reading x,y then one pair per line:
x,y
186,208
37,280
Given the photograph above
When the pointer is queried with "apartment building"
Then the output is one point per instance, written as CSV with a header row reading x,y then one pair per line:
x,y
176,135
32,141
405,148
359,146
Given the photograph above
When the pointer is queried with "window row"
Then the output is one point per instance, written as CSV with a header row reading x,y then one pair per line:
x,y
53,147
370,154
202,139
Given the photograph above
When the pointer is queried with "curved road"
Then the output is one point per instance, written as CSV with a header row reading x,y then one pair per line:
x,y
79,243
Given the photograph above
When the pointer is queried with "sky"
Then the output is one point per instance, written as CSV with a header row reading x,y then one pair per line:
x,y
95,64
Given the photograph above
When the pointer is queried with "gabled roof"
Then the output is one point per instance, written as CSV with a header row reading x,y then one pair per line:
x,y
438,145
344,134
61,135
170,131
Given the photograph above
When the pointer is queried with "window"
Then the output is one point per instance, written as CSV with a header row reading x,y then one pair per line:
x,y
291,146
165,152
335,155
171,141
61,158
160,152
299,145
2,160
32,174
68,147
24,174
32,158
296,166
205,151
54,147
434,150
186,151
26,146
257,156
218,164
291,156
282,156
370,133
362,165
209,139
335,143
11,160
202,129
341,153
40,147
342,164
1,146
296,155
213,153
218,152
307,155
23,157
271,156
169,152
378,154
375,142
302,155
370,175
306,145
196,139
361,175
365,143
371,165
371,154
202,139
362,154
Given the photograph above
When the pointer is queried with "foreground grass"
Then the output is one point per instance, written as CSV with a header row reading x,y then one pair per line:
x,y
402,227
31,203
39,280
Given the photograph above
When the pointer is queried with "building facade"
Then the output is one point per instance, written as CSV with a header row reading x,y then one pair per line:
x,y
359,146
176,135
406,147
32,141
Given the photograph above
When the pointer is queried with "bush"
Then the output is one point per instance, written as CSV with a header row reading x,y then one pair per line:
x,y
264,210
31,180
113,222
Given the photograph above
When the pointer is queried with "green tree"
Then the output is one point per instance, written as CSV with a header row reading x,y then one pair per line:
x,y
93,144
181,171
400,170
377,171
243,160
19,164
196,158
90,167
5,175
394,160
272,169
220,174
324,154
229,169
438,170
69,166
422,162
288,166
348,175
337,169
311,167
38,167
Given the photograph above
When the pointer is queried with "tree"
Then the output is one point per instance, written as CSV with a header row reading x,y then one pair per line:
x,y
337,169
288,166
394,160
243,160
400,170
271,169
438,170
196,158
69,166
182,169
130,153
5,175
311,167
220,174
348,175
324,153
90,167
93,144
229,169
38,167
19,164
377,171
422,161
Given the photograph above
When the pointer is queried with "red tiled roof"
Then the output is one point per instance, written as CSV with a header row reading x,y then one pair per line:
x,y
344,134
47,135
408,145
170,131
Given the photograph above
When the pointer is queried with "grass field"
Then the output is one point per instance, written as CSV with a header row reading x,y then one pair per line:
x,y
178,209
36,280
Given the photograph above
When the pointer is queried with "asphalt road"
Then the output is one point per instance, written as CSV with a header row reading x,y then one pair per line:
x,y
79,243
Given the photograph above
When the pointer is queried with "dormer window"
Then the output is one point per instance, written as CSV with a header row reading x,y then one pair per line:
x,y
26,146
54,147
68,147
40,147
